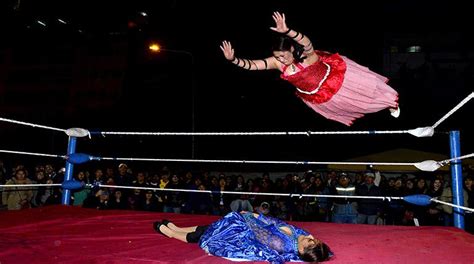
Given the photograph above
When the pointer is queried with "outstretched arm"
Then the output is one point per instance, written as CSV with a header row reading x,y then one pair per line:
x,y
300,38
263,64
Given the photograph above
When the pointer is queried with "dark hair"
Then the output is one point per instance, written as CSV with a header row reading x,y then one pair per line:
x,y
284,43
316,253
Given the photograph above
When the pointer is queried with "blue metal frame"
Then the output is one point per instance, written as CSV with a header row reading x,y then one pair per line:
x,y
71,148
456,179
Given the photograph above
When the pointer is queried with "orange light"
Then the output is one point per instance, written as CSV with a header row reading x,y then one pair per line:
x,y
154,47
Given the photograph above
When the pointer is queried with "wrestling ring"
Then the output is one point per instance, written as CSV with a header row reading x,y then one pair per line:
x,y
68,234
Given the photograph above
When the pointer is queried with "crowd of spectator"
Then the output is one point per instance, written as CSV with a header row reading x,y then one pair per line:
x,y
288,207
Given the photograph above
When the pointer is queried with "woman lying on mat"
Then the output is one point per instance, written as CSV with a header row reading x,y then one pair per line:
x,y
249,236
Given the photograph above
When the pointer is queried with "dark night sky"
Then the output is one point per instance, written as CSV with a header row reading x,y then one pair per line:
x,y
157,91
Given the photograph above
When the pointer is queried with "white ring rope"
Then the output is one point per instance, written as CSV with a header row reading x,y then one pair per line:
x,y
31,153
427,165
463,102
388,198
278,133
31,124
261,161
210,192
250,193
418,132
30,185
457,158
452,205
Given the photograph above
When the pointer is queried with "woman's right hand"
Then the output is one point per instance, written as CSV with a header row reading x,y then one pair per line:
x,y
228,51
280,22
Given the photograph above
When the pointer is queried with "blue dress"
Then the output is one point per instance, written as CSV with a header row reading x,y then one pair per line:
x,y
243,236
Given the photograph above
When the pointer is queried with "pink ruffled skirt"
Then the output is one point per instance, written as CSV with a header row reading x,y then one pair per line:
x,y
363,91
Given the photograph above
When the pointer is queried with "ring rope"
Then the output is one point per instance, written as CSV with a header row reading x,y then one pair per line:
x,y
251,193
388,198
31,124
278,133
452,205
427,165
457,158
30,185
261,161
463,102
418,132
210,192
31,153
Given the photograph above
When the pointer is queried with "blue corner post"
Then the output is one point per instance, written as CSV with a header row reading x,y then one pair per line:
x,y
71,148
456,178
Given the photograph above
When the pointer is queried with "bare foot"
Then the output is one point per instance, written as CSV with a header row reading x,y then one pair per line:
x,y
166,231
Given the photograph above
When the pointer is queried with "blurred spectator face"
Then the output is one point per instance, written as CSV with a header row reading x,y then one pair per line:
x,y
136,191
40,175
175,178
165,177
149,195
332,175
343,180
104,196
109,172
140,177
240,179
81,176
410,184
20,175
398,183
437,184
468,182
201,187
155,178
98,173
118,194
421,183
123,169
266,176
214,181
197,181
318,181
250,182
110,181
221,182
48,169
189,175
391,182
369,180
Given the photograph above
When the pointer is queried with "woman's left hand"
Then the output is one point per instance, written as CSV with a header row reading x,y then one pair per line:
x,y
279,22
227,49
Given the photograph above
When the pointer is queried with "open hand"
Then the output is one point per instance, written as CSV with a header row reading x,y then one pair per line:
x,y
227,49
279,22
